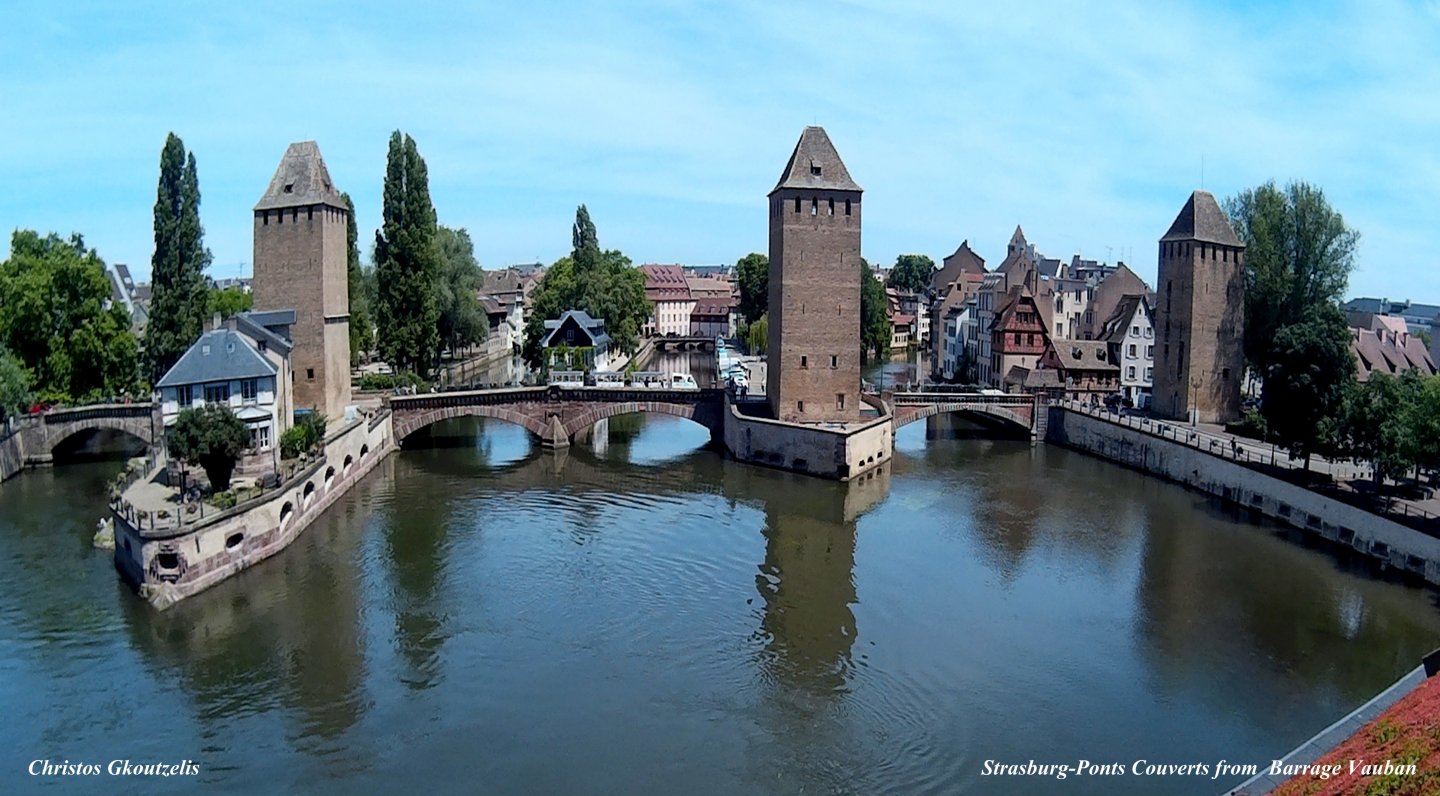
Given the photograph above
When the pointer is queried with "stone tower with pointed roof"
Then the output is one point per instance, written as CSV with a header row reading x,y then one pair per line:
x,y
1200,316
814,344
301,264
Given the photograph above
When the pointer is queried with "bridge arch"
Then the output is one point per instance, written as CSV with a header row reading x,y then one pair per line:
x,y
412,423
697,413
59,437
1008,416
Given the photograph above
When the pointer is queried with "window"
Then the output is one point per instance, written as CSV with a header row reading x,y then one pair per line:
x,y
1131,352
840,400
260,437
814,168
800,406
832,206
797,205
1130,372
1225,374
804,361
1134,331
310,373
1149,373
217,393
847,207
1149,352
185,395
834,361
248,389
260,344
814,206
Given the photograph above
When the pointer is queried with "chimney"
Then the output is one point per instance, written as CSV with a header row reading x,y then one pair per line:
x,y
215,321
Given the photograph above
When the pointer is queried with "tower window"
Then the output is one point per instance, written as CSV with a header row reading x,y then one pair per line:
x,y
265,218
289,187
847,207
804,361
814,206
834,361
800,406
310,373
280,216
832,206
797,204
814,168
310,213
840,400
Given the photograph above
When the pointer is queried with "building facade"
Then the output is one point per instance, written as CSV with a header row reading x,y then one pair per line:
x,y
1200,316
1130,334
576,341
301,264
667,290
1019,335
243,363
814,343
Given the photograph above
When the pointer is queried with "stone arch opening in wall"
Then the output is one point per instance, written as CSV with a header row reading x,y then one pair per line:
x,y
364,449
698,414
306,496
329,476
345,466
287,512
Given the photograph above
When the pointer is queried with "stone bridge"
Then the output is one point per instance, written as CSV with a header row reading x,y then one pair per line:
x,y
683,343
1021,412
32,440
556,414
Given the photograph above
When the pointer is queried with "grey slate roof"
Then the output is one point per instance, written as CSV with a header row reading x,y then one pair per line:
x,y
595,327
219,355
1201,219
301,179
266,325
814,153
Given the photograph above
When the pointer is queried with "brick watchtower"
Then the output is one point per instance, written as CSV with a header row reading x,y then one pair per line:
x,y
301,264
1200,316
814,344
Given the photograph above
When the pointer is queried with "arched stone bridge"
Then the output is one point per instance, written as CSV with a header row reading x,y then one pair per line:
x,y
32,440
1018,411
556,414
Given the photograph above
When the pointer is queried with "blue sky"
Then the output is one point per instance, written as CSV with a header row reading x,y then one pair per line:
x,y
1086,123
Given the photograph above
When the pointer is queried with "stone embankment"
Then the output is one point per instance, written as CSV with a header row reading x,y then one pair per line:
x,y
1248,487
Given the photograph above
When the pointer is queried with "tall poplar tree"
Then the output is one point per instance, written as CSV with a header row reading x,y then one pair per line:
x,y
179,289
362,331
406,263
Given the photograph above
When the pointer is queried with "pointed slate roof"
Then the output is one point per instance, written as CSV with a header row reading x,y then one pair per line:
x,y
815,164
1202,220
300,180
219,355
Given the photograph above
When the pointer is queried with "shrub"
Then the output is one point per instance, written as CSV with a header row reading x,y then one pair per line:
x,y
1252,425
224,500
292,442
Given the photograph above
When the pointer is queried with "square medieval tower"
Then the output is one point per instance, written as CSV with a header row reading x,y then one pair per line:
x,y
814,343
301,264
1200,316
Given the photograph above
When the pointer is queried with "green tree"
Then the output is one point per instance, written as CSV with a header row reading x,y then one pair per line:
x,y
362,330
753,273
912,272
14,385
1423,420
1310,372
757,338
1376,425
210,437
179,290
57,318
457,290
874,315
600,282
228,301
407,263
1298,257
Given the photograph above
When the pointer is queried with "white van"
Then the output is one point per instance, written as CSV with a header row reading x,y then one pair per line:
x,y
683,381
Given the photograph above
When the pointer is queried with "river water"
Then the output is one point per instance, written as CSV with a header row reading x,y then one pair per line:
x,y
482,616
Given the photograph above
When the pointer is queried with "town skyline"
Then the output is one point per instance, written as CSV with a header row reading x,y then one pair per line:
x,y
665,123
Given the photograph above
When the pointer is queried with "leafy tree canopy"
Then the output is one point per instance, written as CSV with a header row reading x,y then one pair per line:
x,y
753,273
1298,257
14,385
362,328
57,319
1305,388
210,437
407,263
457,290
229,301
912,272
180,294
874,315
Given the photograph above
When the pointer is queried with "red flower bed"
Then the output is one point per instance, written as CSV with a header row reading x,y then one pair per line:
x,y
1409,732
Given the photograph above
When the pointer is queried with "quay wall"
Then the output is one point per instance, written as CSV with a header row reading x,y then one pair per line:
x,y
1371,534
840,453
168,566
12,453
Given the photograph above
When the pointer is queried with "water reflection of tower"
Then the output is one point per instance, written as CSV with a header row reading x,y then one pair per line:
x,y
807,580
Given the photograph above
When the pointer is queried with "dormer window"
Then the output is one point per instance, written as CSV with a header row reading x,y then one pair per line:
x,y
289,187
814,169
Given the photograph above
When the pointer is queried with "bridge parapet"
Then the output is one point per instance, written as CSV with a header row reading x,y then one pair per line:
x,y
1016,409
